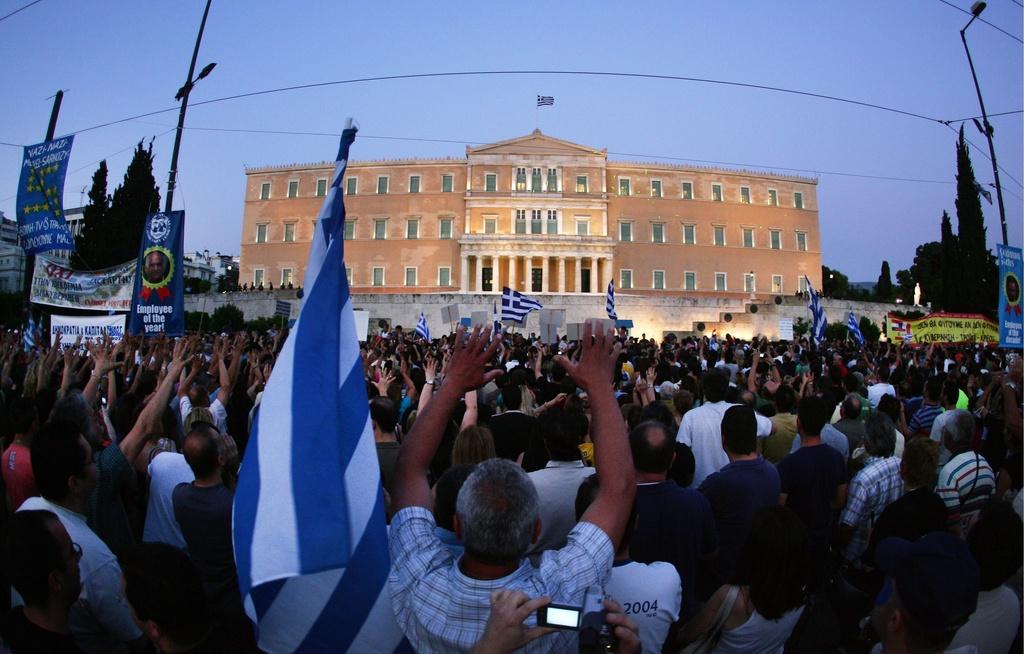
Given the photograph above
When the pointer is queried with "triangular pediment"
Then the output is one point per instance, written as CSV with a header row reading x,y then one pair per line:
x,y
537,143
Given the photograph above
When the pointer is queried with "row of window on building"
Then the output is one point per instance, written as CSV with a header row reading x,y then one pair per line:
x,y
536,182
536,221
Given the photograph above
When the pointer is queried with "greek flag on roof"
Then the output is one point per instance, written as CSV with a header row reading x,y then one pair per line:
x,y
545,100
854,327
515,306
421,327
309,535
818,321
28,338
609,305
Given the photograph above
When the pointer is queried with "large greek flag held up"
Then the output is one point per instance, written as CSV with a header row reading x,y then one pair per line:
x,y
421,327
609,304
818,321
854,327
516,306
309,535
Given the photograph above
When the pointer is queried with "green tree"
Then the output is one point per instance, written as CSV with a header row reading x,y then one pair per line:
x,y
834,284
89,244
976,266
883,289
836,330
113,236
227,318
949,267
927,270
905,286
869,330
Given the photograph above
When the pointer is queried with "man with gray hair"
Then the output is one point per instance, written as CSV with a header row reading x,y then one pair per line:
x,y
873,488
442,604
966,482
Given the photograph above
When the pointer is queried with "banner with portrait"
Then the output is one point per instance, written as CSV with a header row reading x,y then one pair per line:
x,y
90,328
40,204
943,328
110,289
1011,271
158,298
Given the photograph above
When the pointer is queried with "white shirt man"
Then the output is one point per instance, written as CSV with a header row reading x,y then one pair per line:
x,y
701,430
556,489
166,470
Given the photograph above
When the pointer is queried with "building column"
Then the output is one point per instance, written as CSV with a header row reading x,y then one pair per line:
x,y
561,274
464,275
512,262
579,268
544,274
595,281
479,274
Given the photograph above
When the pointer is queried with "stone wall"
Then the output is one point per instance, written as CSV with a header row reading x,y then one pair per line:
x,y
650,315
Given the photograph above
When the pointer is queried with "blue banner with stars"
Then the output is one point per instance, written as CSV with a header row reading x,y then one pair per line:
x,y
41,223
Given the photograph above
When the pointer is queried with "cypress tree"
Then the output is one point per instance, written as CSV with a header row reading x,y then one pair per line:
x,y
883,289
973,267
89,243
951,273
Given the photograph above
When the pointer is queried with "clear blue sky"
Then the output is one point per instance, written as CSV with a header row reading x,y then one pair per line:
x,y
117,59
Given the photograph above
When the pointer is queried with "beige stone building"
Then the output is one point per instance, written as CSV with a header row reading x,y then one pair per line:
x,y
540,215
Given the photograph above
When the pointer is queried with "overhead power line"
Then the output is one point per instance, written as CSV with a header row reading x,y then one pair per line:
x,y
20,9
982,20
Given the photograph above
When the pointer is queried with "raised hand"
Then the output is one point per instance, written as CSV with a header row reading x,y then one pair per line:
x,y
598,355
470,354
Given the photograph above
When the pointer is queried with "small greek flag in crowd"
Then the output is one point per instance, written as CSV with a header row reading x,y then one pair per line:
x,y
609,305
515,306
421,327
818,321
545,100
283,309
854,327
309,534
28,339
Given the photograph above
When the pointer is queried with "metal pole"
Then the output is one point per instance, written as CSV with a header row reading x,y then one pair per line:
x,y
988,134
173,173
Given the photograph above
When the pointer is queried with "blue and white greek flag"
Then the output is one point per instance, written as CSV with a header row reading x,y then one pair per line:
x,y
421,327
818,321
854,327
516,306
609,304
496,320
28,338
309,533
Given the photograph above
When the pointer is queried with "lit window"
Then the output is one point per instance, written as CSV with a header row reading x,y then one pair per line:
x,y
351,185
378,276
690,281
581,184
444,276
490,182
749,283
261,233
801,241
321,187
447,183
655,188
582,226
719,236
552,180
716,193
657,232
552,221
382,185
624,186
410,276
286,276
776,283
776,239
380,230
535,181
348,275
745,194
414,184
289,232
257,277
535,221
520,221
689,234
350,230
773,197
412,229
802,283
798,200
490,225
625,278
687,190
720,282
265,191
293,188
626,232
520,179
748,238
446,229
658,283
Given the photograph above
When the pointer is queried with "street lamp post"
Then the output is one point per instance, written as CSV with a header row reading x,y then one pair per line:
x,y
183,96
976,10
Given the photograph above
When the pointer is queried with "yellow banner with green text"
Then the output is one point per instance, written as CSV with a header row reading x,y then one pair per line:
x,y
943,328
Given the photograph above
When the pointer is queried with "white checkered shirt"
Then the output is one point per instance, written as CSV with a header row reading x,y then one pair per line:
x,y
875,487
442,610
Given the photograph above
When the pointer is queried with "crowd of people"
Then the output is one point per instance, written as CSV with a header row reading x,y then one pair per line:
x,y
713,494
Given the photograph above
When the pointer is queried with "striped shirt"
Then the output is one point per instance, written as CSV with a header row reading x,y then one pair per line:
x,y
876,486
965,486
923,418
440,609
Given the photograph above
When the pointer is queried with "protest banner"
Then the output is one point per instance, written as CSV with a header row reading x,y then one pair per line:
x,y
158,299
1011,270
109,289
943,328
40,204
88,327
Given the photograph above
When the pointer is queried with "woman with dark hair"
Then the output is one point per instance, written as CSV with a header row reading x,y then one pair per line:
x,y
758,611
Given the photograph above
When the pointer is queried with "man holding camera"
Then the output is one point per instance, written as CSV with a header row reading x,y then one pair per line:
x,y
443,607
